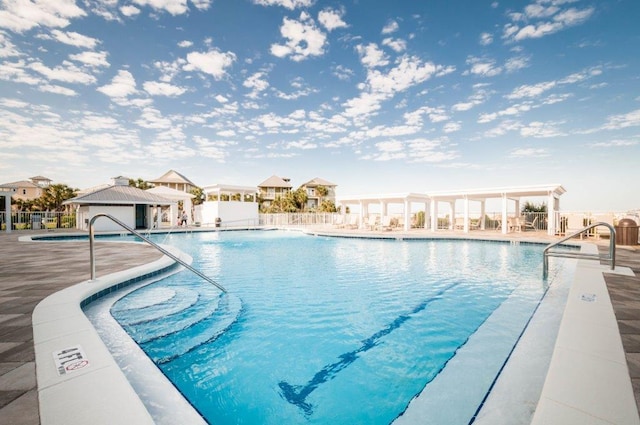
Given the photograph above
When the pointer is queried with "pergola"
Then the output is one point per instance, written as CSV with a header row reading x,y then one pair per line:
x,y
552,192
405,199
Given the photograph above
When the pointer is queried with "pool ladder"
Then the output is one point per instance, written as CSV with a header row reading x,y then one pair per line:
x,y
153,244
567,254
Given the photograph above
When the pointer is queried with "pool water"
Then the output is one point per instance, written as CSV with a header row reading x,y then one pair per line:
x,y
318,330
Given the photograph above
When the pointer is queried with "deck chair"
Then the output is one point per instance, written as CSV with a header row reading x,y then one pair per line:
x,y
385,224
531,225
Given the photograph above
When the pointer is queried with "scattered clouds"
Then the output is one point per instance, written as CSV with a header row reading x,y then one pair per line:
x,y
486,39
482,67
155,88
213,62
174,7
371,55
542,18
289,4
92,59
529,153
304,39
21,16
74,39
121,86
390,28
331,19
617,122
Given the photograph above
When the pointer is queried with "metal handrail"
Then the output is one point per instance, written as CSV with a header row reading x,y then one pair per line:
x,y
612,249
153,244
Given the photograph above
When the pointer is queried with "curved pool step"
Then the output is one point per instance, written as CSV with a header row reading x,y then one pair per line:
x,y
173,345
206,305
143,298
182,299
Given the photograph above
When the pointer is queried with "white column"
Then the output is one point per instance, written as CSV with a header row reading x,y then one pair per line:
x,y
465,209
427,214
364,211
452,218
407,215
552,206
505,222
483,219
434,215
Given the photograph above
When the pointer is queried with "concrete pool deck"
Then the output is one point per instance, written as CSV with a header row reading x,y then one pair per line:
x,y
30,271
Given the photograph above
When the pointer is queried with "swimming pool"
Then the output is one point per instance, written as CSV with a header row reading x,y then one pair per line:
x,y
328,330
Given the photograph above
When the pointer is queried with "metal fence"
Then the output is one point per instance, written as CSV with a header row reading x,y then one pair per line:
x,y
40,220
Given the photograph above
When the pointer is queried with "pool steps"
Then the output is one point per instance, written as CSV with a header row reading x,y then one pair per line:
x,y
166,338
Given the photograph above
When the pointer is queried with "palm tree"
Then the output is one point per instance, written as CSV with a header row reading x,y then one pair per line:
x,y
322,191
54,196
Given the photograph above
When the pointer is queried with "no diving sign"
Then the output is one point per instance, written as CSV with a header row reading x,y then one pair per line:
x,y
70,360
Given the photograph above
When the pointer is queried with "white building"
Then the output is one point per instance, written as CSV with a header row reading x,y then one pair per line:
x,y
228,205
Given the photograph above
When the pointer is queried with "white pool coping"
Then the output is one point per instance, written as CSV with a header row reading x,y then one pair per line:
x,y
587,382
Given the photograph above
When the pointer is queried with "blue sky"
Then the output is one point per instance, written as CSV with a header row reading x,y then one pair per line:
x,y
375,96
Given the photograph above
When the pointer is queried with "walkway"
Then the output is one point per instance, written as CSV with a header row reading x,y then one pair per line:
x,y
31,271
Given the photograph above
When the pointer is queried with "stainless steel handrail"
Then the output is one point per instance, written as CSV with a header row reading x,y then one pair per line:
x,y
153,244
612,249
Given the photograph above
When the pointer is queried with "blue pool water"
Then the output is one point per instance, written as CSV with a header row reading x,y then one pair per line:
x,y
327,330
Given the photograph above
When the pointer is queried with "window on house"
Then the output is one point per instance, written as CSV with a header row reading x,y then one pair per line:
x,y
24,191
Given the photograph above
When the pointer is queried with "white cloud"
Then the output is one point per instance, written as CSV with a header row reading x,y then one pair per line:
x,y
257,83
516,63
483,67
213,62
129,10
155,88
20,16
533,90
343,73
529,153
304,39
547,19
122,86
7,48
371,55
331,19
615,144
93,59
66,72
174,7
391,27
74,39
616,122
289,4
486,39
51,88
185,44
398,45
221,98
450,127
540,130
409,71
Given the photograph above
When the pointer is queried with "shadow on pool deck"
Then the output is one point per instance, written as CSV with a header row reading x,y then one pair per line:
x,y
30,271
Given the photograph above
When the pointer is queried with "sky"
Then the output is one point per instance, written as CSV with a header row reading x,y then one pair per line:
x,y
376,96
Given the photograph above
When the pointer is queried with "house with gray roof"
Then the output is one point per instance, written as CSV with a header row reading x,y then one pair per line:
x,y
135,207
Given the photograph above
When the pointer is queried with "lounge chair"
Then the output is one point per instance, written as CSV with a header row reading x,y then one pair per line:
x,y
575,222
353,222
385,224
531,225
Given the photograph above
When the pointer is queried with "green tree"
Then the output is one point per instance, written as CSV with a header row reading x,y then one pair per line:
x,y
327,206
199,195
140,184
54,196
321,191
299,199
531,207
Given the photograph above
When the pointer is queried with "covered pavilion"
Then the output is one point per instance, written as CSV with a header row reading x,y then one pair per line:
x,y
432,201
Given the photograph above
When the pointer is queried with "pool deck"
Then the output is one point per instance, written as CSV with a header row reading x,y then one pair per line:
x,y
31,271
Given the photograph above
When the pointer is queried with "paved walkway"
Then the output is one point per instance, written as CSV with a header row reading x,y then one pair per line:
x,y
31,271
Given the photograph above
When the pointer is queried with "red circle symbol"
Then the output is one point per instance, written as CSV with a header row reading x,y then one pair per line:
x,y
77,365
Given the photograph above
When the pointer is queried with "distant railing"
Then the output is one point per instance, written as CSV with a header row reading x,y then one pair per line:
x,y
38,220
